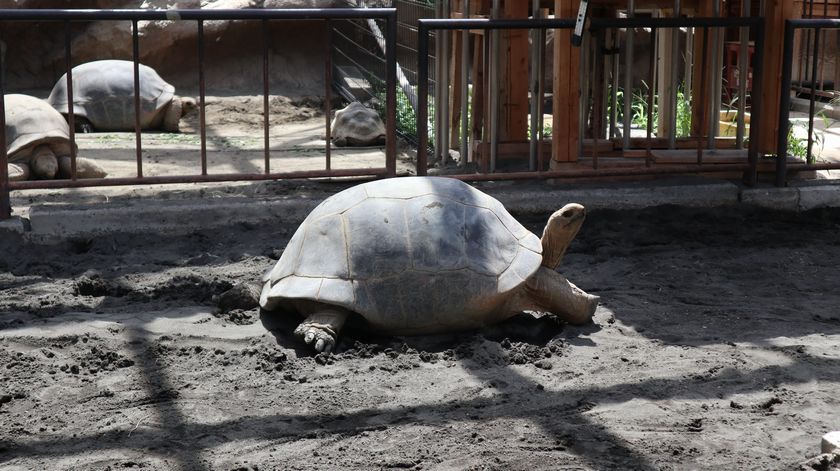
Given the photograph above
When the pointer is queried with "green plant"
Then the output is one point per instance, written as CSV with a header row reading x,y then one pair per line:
x,y
406,118
683,113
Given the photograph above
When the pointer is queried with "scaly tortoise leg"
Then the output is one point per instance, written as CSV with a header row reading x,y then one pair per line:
x,y
321,328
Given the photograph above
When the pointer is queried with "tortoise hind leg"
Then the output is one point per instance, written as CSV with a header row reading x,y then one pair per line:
x,y
322,327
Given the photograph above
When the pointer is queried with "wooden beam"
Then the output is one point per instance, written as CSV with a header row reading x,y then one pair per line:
x,y
566,88
514,88
478,98
701,82
777,11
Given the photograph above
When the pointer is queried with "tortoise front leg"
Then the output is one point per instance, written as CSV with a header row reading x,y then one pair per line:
x,y
321,328
548,291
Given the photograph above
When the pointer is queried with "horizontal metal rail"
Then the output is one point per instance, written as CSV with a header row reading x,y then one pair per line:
x,y
782,166
426,26
200,16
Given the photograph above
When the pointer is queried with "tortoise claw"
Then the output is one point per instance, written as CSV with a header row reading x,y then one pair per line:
x,y
321,339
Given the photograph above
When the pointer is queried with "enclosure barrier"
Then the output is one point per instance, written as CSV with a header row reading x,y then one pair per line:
x,y
814,61
537,170
199,16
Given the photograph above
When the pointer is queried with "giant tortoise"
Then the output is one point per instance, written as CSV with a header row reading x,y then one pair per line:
x,y
357,125
38,142
420,255
103,98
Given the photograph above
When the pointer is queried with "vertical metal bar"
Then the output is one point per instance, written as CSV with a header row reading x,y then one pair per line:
x,y
811,106
803,64
438,71
444,88
494,90
702,100
743,76
391,95
70,115
201,116
266,142
422,98
328,65
584,88
651,98
689,63
822,52
597,105
628,76
541,97
614,68
535,99
674,79
756,103
5,196
784,107
138,140
465,86
714,96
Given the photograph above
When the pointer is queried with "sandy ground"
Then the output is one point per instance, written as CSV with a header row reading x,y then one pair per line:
x,y
235,141
715,347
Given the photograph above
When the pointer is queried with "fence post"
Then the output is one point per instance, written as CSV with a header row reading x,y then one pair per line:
x,y
784,106
422,96
391,94
756,96
5,199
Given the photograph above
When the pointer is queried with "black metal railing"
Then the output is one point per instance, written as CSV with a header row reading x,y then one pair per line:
x,y
814,60
749,166
264,16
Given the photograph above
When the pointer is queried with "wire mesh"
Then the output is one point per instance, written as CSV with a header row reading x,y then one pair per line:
x,y
359,62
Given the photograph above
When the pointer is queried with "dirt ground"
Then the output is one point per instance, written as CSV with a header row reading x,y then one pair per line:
x,y
235,141
715,347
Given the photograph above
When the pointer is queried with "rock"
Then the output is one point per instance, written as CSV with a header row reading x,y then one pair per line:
x,y
34,55
831,442
241,296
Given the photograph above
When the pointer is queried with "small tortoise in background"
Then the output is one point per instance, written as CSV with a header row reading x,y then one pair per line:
x,y
357,125
103,98
421,255
38,142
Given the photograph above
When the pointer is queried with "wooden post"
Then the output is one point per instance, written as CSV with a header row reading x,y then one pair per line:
x,y
477,111
776,13
702,78
514,89
566,88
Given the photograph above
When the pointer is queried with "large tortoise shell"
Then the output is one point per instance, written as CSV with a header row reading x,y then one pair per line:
x,y
411,255
103,92
31,122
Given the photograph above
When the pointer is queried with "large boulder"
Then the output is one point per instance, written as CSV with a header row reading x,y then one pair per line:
x,y
35,55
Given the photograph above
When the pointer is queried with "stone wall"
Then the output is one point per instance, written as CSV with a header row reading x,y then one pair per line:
x,y
35,53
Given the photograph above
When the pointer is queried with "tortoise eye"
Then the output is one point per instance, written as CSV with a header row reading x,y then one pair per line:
x,y
568,213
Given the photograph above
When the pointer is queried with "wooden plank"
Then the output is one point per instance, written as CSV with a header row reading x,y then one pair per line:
x,y
514,76
566,105
478,79
716,156
771,84
700,80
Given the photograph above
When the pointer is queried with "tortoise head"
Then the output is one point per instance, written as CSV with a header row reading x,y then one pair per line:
x,y
188,105
561,228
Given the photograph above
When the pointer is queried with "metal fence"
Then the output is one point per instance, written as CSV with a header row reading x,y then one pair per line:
x,y
360,67
810,33
262,16
537,170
